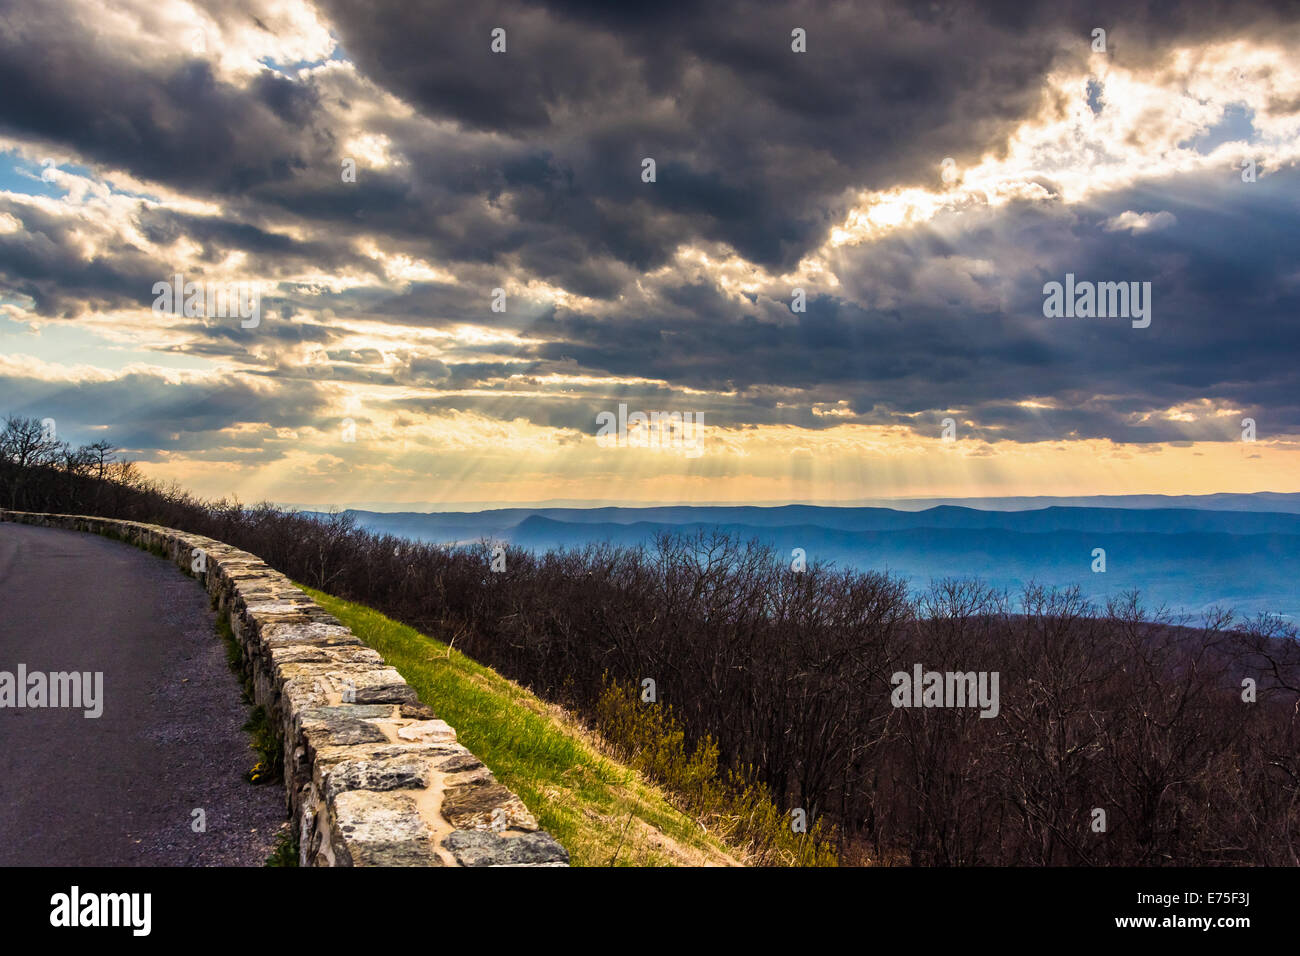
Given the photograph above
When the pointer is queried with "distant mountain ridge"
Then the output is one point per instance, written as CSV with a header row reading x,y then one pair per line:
x,y
1186,558
1274,501
450,526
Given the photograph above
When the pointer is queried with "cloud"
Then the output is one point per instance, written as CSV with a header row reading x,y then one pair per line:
x,y
776,170
1134,222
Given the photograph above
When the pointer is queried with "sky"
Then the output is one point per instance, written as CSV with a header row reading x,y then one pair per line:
x,y
835,272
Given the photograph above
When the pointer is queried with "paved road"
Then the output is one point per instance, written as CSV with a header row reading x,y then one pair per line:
x,y
120,789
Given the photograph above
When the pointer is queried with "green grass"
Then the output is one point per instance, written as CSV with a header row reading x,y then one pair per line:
x,y
603,812
266,741
285,851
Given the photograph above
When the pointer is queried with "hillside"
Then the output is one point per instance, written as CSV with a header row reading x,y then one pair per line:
x,y
603,812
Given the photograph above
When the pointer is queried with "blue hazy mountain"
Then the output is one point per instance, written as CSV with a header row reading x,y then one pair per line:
x,y
1258,501
1188,558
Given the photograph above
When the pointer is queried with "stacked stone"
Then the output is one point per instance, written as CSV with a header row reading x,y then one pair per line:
x,y
372,777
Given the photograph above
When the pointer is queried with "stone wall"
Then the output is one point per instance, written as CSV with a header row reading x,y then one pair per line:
x,y
372,777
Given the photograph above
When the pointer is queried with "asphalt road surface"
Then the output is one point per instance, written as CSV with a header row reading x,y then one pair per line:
x,y
121,789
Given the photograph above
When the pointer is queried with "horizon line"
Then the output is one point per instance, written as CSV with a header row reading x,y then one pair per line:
x,y
478,507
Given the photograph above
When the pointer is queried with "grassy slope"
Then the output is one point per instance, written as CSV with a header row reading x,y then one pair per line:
x,y
603,812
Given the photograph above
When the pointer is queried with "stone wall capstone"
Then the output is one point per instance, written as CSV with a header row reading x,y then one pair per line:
x,y
372,777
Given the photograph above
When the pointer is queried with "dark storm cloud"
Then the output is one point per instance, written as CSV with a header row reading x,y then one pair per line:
x,y
172,122
229,337
140,411
755,145
218,237
44,260
582,95
536,175
1225,296
882,97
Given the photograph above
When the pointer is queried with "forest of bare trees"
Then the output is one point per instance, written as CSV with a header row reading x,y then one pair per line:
x,y
1123,737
